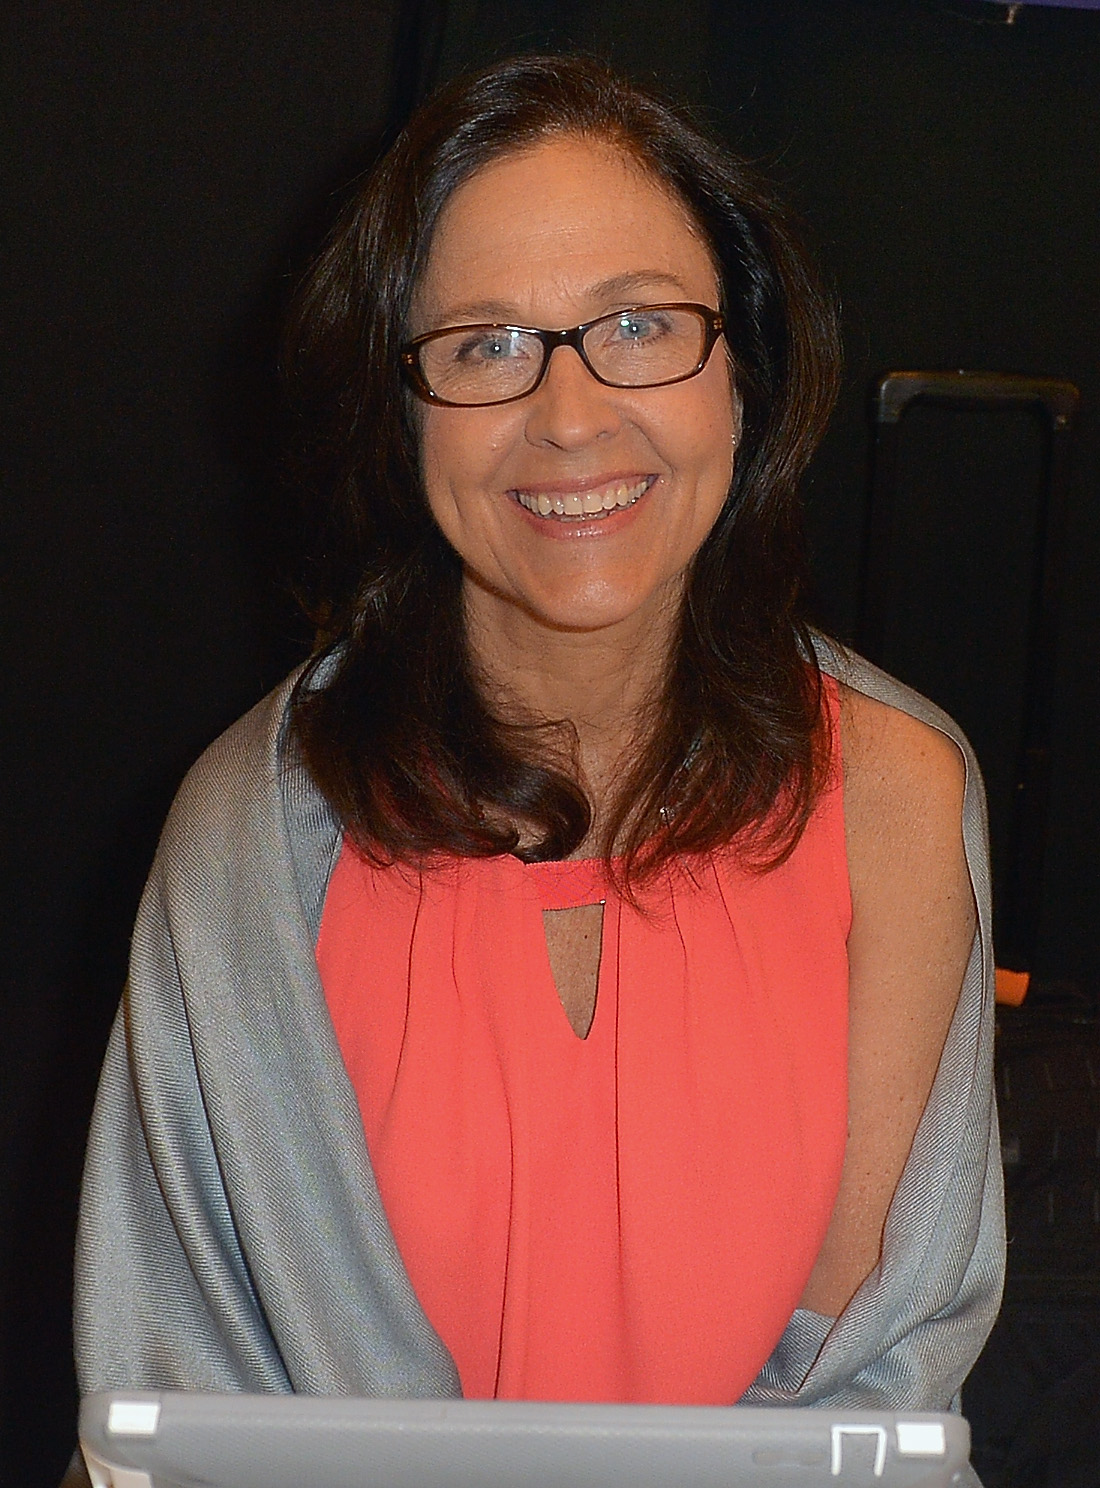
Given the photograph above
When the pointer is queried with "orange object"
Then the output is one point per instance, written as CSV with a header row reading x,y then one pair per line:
x,y
628,1217
1012,986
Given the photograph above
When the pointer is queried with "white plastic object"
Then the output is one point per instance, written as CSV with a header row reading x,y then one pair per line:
x,y
133,1417
103,1475
840,1431
921,1439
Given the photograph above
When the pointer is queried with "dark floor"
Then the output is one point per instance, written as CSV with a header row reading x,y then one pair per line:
x,y
1034,1398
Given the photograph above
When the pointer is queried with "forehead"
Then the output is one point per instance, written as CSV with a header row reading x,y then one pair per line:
x,y
566,229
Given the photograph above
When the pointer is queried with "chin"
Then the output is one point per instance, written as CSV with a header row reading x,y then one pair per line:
x,y
592,612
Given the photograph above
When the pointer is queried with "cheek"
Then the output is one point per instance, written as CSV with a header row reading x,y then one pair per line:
x,y
445,466
717,435
460,449
441,450
710,440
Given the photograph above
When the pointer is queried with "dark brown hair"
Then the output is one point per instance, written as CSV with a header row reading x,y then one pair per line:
x,y
389,715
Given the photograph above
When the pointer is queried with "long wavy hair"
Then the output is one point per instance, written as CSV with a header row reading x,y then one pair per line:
x,y
390,716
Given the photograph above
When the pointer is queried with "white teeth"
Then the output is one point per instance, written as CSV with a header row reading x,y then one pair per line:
x,y
588,504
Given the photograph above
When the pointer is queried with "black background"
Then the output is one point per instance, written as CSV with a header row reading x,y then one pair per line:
x,y
168,170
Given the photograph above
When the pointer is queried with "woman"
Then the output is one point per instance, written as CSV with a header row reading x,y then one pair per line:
x,y
568,740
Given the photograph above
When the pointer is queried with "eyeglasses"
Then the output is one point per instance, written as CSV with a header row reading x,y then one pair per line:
x,y
473,366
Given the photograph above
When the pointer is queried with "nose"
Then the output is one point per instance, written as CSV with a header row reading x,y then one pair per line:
x,y
570,409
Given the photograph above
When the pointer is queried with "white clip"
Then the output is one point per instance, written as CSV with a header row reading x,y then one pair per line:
x,y
838,1434
104,1475
133,1417
921,1439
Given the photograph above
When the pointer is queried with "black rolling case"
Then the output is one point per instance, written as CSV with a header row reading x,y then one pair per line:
x,y
960,598
960,586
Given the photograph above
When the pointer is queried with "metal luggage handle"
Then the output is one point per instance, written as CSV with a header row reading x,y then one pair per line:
x,y
897,390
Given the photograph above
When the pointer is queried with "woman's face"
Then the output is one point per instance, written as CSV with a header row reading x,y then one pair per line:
x,y
554,237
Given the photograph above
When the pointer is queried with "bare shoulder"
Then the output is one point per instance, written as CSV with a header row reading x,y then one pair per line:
x,y
901,775
912,906
912,929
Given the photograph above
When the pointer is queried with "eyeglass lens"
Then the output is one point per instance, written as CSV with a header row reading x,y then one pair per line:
x,y
636,348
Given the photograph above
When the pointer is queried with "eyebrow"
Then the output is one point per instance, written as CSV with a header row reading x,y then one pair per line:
x,y
619,288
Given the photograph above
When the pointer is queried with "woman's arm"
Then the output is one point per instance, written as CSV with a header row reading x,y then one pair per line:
x,y
910,1333
913,919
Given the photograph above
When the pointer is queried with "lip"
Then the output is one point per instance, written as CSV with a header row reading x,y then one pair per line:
x,y
581,483
583,526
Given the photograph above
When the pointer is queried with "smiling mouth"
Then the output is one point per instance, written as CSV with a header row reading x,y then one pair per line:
x,y
600,502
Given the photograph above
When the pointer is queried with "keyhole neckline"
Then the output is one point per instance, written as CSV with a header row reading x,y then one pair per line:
x,y
569,883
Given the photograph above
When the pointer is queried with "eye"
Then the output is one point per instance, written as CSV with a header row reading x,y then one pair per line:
x,y
639,326
635,331
492,346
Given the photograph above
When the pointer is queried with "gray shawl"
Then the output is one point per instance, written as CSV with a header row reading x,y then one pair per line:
x,y
231,1234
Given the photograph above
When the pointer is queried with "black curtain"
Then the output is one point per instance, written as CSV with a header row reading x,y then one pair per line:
x,y
168,171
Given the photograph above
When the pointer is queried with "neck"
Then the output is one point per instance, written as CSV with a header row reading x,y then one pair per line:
x,y
601,681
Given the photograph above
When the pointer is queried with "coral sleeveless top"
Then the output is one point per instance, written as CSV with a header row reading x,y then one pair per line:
x,y
631,1216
